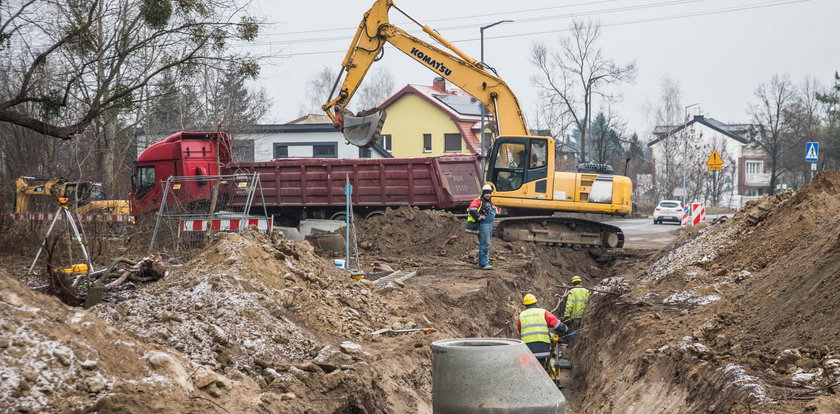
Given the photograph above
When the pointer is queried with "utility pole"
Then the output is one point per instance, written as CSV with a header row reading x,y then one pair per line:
x,y
685,153
483,139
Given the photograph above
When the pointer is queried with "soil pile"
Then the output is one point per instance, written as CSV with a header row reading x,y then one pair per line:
x,y
58,359
266,307
409,232
734,317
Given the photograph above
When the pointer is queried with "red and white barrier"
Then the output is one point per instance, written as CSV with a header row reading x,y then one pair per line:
x,y
698,213
227,224
685,217
117,218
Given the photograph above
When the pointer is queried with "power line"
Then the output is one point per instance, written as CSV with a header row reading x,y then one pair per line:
x,y
519,21
588,3
631,22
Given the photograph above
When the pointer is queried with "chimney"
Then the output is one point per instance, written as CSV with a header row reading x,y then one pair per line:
x,y
439,83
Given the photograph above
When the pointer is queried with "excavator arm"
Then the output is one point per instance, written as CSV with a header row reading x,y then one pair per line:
x,y
373,33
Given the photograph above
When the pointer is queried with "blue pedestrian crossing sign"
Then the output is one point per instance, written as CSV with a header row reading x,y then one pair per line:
x,y
812,151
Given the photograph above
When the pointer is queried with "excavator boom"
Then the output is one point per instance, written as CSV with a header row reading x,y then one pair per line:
x,y
373,33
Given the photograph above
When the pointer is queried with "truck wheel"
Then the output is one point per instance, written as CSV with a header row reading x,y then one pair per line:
x,y
375,213
341,216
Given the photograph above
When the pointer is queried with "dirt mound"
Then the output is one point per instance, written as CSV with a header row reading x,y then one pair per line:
x,y
58,359
268,308
747,309
411,232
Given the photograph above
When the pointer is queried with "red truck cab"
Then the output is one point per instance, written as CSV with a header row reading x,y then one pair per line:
x,y
183,153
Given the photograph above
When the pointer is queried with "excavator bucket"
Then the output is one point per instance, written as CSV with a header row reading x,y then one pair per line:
x,y
362,131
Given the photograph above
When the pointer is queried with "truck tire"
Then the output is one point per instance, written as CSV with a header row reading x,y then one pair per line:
x,y
375,213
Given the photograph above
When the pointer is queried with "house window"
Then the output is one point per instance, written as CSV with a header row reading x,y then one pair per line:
x,y
427,142
281,151
452,142
754,167
386,142
325,151
364,152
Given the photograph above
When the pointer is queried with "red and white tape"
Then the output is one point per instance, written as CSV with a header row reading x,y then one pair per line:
x,y
698,213
226,225
117,218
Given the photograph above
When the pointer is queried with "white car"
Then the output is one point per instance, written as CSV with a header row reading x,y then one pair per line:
x,y
668,210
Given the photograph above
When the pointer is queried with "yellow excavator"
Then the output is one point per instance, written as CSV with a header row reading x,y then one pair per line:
x,y
520,167
87,196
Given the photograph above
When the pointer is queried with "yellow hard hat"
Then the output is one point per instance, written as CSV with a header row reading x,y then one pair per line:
x,y
576,279
529,299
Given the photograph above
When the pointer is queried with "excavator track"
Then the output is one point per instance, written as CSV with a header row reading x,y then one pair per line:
x,y
561,230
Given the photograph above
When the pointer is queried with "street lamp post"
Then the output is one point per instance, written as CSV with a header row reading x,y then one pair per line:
x,y
685,153
481,124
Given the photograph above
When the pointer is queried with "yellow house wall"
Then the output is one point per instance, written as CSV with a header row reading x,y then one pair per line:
x,y
409,117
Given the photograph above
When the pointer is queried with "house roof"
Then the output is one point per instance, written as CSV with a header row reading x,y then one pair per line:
x,y
461,107
734,131
311,119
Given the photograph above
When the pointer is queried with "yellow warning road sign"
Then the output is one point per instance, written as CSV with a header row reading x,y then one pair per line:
x,y
715,167
714,159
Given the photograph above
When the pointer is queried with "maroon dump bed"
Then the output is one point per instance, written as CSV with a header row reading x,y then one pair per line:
x,y
441,182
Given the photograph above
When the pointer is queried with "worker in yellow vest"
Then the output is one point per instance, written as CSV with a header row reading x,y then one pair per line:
x,y
534,325
575,304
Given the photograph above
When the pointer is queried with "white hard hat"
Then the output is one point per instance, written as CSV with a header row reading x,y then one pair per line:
x,y
487,187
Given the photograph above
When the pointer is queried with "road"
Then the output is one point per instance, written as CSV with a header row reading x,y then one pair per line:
x,y
643,234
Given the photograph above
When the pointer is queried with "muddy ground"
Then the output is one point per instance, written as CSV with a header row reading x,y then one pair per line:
x,y
739,317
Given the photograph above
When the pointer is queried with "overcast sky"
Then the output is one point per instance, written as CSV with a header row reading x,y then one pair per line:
x,y
718,55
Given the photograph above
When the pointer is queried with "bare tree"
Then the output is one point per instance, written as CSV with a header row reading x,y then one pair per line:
x,y
577,72
771,115
549,115
830,133
666,117
804,115
79,60
377,87
716,183
318,89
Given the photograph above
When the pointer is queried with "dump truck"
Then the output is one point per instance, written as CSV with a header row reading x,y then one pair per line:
x,y
297,188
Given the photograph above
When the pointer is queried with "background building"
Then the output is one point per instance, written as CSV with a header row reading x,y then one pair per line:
x,y
744,176
432,120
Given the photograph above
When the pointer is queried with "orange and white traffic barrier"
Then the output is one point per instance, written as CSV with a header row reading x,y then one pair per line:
x,y
685,217
264,224
116,218
698,213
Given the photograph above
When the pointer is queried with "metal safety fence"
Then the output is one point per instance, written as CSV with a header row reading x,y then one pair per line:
x,y
194,208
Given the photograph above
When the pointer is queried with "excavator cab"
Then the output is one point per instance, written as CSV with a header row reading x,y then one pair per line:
x,y
520,165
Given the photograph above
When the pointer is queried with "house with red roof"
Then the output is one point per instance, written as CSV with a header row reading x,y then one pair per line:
x,y
432,120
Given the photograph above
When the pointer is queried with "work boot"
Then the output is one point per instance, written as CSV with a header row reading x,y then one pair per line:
x,y
488,267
